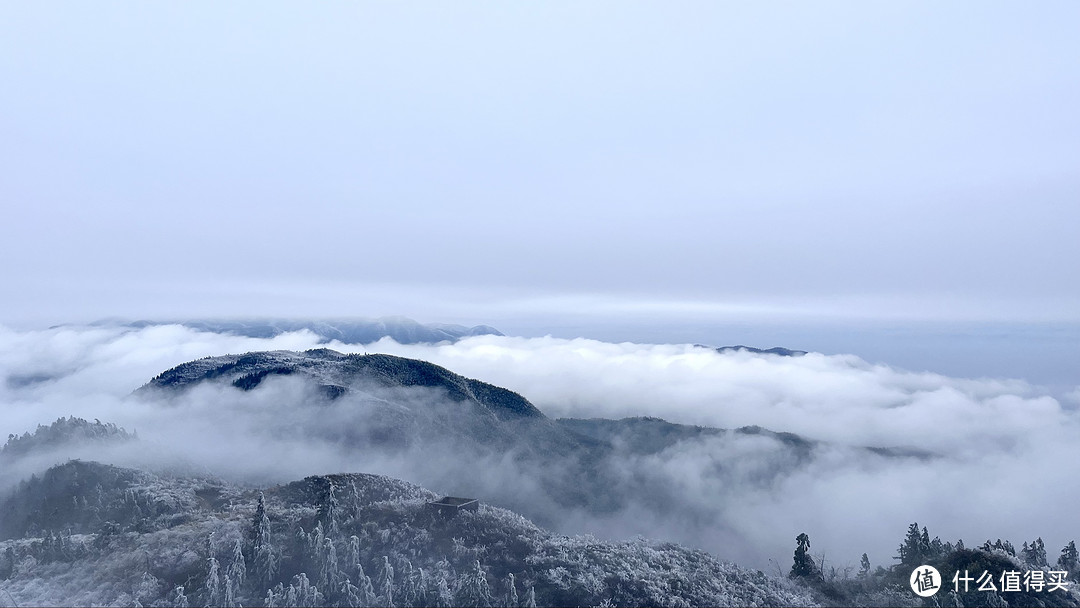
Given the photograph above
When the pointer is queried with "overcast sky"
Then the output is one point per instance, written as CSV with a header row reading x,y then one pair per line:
x,y
474,162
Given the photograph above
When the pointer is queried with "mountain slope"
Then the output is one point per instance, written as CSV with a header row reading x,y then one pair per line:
x,y
331,540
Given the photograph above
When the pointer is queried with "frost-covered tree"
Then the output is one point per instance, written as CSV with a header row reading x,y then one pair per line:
x,y
422,597
386,583
329,575
1037,554
511,598
804,566
264,560
912,550
177,598
444,597
230,592
864,566
530,598
350,594
474,590
407,590
302,593
237,570
275,596
1069,559
213,583
328,509
366,588
352,557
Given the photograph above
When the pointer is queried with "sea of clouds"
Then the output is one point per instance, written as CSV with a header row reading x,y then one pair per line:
x,y
1003,450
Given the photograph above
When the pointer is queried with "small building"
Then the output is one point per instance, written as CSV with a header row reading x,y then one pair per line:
x,y
448,506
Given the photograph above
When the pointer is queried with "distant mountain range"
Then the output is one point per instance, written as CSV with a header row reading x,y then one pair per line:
x,y
776,350
347,331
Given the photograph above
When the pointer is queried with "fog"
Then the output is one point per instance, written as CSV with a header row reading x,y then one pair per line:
x,y
1001,450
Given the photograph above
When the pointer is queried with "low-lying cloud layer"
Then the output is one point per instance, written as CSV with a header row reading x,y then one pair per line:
x,y
1004,451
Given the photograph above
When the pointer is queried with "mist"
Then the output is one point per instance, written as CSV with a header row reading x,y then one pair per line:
x,y
994,454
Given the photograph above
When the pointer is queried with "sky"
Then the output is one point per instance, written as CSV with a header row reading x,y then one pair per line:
x,y
894,185
551,163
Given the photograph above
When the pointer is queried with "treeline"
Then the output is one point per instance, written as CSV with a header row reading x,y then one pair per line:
x,y
884,586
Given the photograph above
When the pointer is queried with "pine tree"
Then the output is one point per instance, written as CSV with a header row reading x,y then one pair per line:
x,y
804,566
352,558
474,590
350,594
444,598
530,598
1039,551
275,596
213,583
237,570
1069,560
230,592
264,561
328,510
328,565
386,583
864,567
511,591
177,598
911,550
367,590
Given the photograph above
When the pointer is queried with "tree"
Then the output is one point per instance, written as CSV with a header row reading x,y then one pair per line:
x,y
177,598
474,590
1069,559
213,583
804,566
511,591
328,509
530,598
864,566
1038,550
912,551
237,570
386,583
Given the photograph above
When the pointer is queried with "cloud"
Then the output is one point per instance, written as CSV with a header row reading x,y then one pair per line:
x,y
1002,448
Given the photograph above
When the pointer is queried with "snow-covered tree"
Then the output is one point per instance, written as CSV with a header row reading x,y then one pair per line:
x,y
804,566
530,599
329,574
1069,559
511,598
230,592
474,590
864,566
444,597
264,560
912,551
213,583
237,570
177,598
386,583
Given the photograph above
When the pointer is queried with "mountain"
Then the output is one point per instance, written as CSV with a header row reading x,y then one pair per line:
x,y
64,432
437,426
87,533
776,350
338,374
347,331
